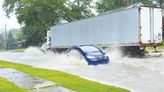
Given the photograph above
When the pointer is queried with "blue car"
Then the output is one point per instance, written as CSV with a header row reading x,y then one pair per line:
x,y
91,54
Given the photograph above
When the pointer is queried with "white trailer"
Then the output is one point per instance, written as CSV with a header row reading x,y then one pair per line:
x,y
132,27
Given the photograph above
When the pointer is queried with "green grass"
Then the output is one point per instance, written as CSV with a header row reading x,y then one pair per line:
x,y
64,79
18,50
6,86
152,49
2,50
160,48
15,50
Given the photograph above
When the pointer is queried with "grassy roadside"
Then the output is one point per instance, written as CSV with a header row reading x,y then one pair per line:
x,y
152,49
19,50
2,50
6,86
160,48
64,79
14,50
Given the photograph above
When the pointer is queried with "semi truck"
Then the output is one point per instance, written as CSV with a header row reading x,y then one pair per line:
x,y
130,28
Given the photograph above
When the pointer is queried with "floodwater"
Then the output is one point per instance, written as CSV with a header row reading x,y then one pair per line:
x,y
136,74
26,81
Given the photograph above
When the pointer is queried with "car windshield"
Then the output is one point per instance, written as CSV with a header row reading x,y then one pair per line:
x,y
89,49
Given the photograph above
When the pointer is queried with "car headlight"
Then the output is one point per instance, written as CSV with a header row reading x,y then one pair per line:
x,y
88,56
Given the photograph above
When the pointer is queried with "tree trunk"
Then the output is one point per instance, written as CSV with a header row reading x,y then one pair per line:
x,y
160,3
126,2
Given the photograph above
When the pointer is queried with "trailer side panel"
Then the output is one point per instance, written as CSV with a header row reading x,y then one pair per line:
x,y
116,28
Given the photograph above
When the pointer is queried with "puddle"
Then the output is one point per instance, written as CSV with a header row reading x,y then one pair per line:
x,y
52,89
26,81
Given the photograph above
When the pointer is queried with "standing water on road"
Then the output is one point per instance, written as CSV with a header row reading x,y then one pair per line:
x,y
136,74
34,84
35,57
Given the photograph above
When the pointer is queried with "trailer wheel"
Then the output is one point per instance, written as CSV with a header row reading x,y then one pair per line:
x,y
133,51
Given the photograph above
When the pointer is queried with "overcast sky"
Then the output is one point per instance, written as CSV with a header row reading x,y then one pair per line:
x,y
10,23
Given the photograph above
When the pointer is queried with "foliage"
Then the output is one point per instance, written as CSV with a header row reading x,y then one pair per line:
x,y
64,79
18,35
1,42
7,40
78,9
32,35
11,41
6,86
38,16
106,5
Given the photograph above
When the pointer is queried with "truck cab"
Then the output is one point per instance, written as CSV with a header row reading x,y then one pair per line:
x,y
47,44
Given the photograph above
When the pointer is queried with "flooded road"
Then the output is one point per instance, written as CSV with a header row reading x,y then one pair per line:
x,y
136,74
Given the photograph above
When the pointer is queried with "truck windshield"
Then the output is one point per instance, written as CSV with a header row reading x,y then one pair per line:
x,y
89,49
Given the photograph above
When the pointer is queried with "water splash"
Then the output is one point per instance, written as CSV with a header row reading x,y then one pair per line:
x,y
50,59
138,74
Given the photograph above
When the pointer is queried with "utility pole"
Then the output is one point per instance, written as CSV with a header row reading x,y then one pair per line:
x,y
160,3
126,3
6,38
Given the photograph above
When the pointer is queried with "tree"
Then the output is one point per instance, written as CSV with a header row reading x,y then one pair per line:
x,y
32,35
126,2
19,35
78,9
11,41
161,3
38,16
1,42
106,5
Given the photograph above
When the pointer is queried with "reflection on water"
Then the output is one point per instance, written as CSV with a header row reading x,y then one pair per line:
x,y
23,80
137,74
26,81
